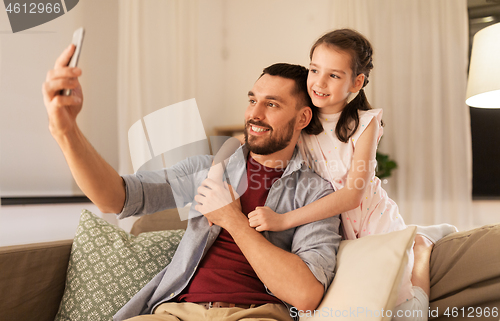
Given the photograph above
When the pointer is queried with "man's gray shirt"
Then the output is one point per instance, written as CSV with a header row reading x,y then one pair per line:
x,y
315,243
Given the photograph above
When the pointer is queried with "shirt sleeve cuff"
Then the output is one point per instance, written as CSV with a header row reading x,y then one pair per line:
x,y
133,198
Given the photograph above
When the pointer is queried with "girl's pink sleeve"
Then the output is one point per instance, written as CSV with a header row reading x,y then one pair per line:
x,y
365,117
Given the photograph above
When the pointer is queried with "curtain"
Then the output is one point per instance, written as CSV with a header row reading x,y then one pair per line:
x,y
156,68
419,79
156,62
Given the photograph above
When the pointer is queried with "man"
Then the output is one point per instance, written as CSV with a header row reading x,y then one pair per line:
x,y
249,275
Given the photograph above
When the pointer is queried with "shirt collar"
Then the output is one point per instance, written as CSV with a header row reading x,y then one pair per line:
x,y
295,163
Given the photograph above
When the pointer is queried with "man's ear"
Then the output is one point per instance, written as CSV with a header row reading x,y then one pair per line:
x,y
358,83
304,117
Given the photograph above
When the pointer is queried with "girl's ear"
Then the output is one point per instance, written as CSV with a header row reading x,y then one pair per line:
x,y
358,83
304,117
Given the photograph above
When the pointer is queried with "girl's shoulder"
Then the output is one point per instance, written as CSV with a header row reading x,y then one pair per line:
x,y
365,117
368,115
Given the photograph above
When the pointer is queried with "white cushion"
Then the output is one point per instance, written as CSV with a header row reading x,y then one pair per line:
x,y
368,274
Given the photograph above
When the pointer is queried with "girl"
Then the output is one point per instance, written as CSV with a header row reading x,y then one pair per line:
x,y
344,153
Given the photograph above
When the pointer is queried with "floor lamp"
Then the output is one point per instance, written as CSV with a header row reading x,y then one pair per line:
x,y
483,88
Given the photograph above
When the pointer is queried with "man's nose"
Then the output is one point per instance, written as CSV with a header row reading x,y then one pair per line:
x,y
257,111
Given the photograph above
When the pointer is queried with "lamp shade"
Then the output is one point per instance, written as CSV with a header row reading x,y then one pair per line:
x,y
483,88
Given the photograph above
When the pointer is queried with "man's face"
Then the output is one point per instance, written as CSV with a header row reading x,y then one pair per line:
x,y
270,118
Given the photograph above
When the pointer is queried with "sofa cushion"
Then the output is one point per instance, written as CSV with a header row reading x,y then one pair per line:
x,y
465,275
108,266
368,274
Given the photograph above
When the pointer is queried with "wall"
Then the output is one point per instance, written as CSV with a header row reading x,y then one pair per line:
x,y
486,212
42,223
260,33
210,87
32,164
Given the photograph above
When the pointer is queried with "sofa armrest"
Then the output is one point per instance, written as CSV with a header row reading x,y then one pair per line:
x,y
465,273
32,279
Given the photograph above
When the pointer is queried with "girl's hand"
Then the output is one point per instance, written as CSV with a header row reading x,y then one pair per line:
x,y
265,219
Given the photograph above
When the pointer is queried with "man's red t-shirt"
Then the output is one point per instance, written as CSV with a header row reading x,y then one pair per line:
x,y
224,274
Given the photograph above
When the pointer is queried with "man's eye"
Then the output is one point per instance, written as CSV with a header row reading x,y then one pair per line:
x,y
251,101
272,105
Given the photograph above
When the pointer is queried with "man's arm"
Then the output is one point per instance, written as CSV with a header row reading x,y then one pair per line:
x,y
285,274
96,178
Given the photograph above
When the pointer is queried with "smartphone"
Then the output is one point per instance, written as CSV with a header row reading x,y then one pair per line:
x,y
77,41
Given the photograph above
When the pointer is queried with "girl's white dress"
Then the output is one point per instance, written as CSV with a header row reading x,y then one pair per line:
x,y
332,159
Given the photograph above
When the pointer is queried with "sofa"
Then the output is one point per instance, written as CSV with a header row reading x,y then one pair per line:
x,y
465,274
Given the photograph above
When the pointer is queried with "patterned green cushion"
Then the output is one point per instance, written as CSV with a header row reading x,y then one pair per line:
x,y
108,266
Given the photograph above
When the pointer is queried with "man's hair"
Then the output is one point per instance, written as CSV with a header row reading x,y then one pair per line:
x,y
298,74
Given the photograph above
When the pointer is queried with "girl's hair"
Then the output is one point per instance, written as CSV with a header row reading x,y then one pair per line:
x,y
360,50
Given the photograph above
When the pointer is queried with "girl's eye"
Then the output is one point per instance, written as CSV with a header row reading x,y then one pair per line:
x,y
313,71
334,76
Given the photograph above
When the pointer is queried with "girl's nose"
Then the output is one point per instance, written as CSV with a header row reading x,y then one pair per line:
x,y
320,81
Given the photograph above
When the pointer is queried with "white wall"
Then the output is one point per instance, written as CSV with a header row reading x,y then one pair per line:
x,y
259,33
42,223
32,164
210,86
486,212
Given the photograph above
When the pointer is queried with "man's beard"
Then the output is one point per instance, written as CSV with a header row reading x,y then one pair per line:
x,y
276,141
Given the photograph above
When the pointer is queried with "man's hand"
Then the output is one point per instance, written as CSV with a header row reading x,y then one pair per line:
x,y
95,177
62,110
218,203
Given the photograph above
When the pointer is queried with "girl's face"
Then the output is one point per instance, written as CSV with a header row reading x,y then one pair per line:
x,y
330,79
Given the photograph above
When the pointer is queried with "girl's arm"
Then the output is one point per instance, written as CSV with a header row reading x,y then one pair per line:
x,y
343,200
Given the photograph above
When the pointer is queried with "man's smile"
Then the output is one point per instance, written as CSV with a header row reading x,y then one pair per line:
x,y
257,130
